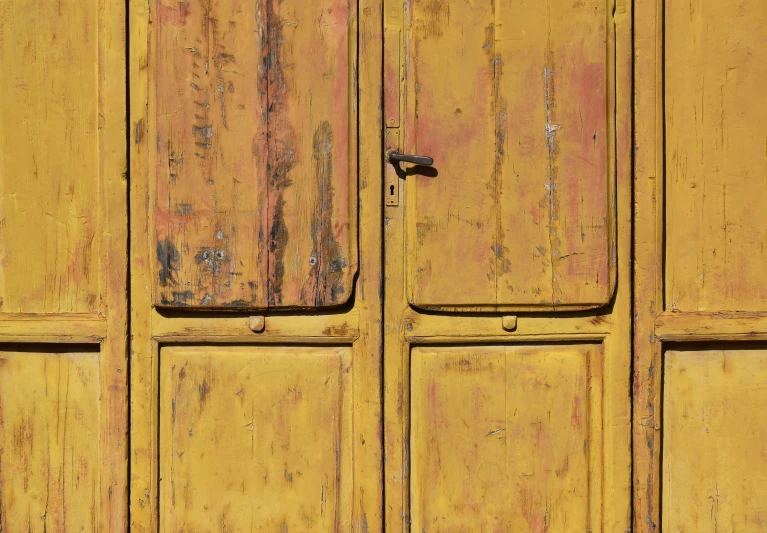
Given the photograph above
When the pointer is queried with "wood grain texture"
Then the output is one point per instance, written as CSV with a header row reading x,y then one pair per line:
x,y
714,451
255,177
505,439
255,437
50,460
519,211
49,157
716,141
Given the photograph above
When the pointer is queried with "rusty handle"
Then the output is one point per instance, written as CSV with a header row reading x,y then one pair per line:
x,y
395,157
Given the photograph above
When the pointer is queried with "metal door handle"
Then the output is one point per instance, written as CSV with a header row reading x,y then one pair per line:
x,y
395,157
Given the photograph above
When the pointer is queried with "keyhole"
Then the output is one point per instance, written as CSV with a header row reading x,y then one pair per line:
x,y
391,190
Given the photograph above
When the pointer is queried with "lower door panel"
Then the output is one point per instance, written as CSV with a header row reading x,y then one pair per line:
x,y
50,451
255,436
492,425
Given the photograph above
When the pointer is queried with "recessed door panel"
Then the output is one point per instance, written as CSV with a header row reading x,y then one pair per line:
x,y
255,437
253,124
714,457
505,438
513,101
50,463
716,125
50,173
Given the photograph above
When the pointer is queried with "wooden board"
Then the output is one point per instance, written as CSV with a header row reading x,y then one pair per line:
x,y
714,456
716,131
505,438
513,101
255,437
50,460
49,157
253,127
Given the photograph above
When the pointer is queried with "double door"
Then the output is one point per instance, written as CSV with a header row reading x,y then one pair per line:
x,y
231,298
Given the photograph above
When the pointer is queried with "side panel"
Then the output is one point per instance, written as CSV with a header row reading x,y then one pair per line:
x,y
49,158
700,327
253,126
63,267
714,453
493,425
716,133
515,101
49,440
255,436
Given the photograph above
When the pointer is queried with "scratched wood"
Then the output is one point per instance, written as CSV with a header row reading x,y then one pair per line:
x,y
519,211
49,158
716,125
503,439
714,466
255,437
49,441
254,173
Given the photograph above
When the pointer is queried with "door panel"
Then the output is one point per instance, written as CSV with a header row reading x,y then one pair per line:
x,y
700,290
715,157
49,459
714,435
63,267
49,159
499,424
255,435
254,178
518,113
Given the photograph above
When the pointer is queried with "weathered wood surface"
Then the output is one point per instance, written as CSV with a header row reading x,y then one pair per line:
x,y
255,176
716,155
699,266
49,441
715,429
512,100
255,437
503,439
49,157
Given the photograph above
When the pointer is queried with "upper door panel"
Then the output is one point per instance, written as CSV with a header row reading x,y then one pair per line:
x,y
514,100
254,174
52,118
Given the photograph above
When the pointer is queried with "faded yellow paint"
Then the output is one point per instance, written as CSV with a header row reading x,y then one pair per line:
x,y
505,438
296,165
716,156
699,277
49,159
715,430
523,141
526,109
63,266
255,437
49,429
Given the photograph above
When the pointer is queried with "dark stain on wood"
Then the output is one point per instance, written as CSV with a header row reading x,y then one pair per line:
x,y
325,282
282,155
169,259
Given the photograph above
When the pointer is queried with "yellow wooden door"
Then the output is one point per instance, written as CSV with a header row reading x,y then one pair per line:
x,y
700,462
507,262
256,248
63,267
284,325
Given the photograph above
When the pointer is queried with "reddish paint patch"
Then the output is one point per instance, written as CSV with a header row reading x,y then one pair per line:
x,y
577,416
173,15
